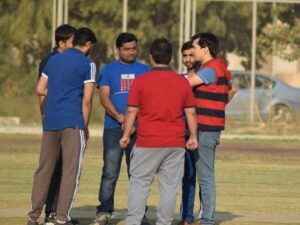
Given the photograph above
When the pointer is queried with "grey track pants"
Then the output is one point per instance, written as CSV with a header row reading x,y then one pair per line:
x,y
168,164
72,143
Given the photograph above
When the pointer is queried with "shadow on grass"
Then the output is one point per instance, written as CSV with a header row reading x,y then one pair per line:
x,y
225,216
86,214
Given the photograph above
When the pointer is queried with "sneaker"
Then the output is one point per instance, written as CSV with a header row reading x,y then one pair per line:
x,y
145,221
74,222
32,222
71,222
183,222
101,219
50,218
197,222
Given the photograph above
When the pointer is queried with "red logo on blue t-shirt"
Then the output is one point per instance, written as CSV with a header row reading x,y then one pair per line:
x,y
126,81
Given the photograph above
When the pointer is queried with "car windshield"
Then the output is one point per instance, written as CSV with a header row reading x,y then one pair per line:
x,y
243,81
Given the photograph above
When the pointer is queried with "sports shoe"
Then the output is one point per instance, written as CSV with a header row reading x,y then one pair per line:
x,y
101,219
197,222
183,222
145,221
71,222
50,218
32,222
74,222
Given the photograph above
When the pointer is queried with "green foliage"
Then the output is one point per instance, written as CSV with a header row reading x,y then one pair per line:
x,y
284,38
23,42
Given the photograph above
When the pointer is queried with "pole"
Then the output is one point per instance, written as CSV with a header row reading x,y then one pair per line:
x,y
125,12
187,33
181,9
274,41
59,13
66,13
53,22
253,60
194,17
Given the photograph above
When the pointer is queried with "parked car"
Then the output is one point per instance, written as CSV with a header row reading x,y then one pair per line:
x,y
275,100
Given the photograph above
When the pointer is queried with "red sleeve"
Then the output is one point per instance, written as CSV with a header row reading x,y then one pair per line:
x,y
189,99
134,95
228,75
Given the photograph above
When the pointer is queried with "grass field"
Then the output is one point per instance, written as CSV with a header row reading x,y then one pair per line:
x,y
253,178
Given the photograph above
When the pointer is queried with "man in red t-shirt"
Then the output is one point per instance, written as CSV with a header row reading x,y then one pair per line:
x,y
158,98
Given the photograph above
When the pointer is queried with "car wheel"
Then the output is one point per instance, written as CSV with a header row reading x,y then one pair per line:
x,y
280,114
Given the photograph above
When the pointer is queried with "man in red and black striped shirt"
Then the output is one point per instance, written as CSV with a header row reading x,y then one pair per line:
x,y
213,91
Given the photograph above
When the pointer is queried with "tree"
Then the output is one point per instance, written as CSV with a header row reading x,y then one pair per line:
x,y
232,22
23,41
26,31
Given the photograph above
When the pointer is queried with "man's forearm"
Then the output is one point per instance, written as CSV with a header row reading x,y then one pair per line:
x,y
86,110
110,108
195,80
42,100
191,118
130,116
232,92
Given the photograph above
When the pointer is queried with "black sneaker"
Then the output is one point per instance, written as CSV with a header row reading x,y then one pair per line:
x,y
145,221
33,222
74,222
50,218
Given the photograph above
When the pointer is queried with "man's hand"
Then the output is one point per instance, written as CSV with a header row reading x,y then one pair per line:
x,y
124,141
87,134
120,118
132,131
192,144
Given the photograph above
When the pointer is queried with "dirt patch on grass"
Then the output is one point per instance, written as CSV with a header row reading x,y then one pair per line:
x,y
228,147
33,142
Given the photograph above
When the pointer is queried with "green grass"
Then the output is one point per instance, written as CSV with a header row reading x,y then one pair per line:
x,y
264,182
20,221
27,108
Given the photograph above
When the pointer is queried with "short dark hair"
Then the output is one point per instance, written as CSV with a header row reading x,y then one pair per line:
x,y
124,38
208,40
63,33
186,45
84,35
161,51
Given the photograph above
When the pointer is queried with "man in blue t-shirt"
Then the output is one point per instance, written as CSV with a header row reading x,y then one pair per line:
x,y
114,84
68,83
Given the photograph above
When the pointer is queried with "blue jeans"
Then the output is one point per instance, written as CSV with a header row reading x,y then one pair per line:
x,y
188,187
205,164
112,157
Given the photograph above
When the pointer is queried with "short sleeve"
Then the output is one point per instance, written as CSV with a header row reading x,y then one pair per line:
x,y
90,73
103,78
207,74
189,100
228,75
41,67
134,94
46,69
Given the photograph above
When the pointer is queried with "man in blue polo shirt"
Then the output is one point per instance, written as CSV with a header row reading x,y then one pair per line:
x,y
63,38
68,82
114,84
